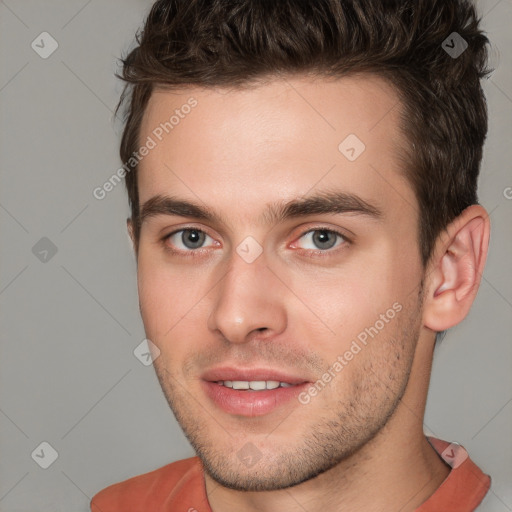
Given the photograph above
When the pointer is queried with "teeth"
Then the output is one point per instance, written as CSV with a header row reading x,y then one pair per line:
x,y
240,384
254,385
257,385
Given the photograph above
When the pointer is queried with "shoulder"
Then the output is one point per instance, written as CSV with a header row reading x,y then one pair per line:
x,y
149,489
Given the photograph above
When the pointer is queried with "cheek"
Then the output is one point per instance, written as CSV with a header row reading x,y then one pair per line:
x,y
162,316
173,299
363,301
158,296
350,298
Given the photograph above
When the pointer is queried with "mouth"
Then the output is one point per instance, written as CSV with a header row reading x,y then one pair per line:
x,y
251,392
253,385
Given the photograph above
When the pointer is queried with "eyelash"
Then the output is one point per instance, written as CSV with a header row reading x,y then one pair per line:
x,y
195,253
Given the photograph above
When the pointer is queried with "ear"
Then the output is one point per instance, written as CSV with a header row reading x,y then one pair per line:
x,y
129,227
455,269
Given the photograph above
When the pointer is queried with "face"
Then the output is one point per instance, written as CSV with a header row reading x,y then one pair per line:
x,y
278,271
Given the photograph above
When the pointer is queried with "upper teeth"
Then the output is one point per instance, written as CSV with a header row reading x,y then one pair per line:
x,y
255,385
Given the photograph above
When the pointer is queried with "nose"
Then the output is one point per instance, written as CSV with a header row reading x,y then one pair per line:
x,y
249,299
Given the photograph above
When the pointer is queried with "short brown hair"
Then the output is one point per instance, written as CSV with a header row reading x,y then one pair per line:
x,y
235,42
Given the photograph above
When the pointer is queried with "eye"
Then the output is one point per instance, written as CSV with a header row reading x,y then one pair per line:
x,y
321,239
188,239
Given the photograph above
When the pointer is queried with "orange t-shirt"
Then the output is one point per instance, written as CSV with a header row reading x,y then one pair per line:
x,y
179,487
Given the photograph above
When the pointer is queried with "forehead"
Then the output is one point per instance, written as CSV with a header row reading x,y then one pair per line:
x,y
278,140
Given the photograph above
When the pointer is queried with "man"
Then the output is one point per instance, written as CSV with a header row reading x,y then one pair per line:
x,y
302,178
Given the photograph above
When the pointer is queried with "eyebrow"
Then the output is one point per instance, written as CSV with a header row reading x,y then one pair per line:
x,y
330,202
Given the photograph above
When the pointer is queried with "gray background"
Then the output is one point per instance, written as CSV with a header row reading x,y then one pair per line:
x,y
70,324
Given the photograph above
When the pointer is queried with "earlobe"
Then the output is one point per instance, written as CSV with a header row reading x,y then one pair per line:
x,y
456,268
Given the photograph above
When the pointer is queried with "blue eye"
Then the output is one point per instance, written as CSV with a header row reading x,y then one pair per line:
x,y
323,239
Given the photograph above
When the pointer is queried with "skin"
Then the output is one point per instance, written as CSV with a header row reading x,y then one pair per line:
x,y
359,443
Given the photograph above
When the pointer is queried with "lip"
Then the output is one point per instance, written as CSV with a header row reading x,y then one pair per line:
x,y
250,403
230,373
